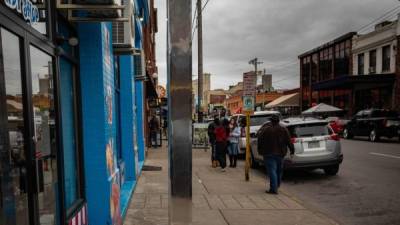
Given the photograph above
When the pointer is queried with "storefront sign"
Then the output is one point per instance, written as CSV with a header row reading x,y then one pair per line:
x,y
26,8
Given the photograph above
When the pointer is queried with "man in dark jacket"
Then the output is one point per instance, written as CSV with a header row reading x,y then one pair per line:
x,y
273,142
211,138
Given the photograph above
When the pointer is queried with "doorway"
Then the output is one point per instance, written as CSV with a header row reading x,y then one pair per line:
x,y
28,143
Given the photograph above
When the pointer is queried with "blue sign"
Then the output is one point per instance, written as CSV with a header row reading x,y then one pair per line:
x,y
26,8
248,103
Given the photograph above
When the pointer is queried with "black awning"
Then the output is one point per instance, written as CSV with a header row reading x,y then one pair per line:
x,y
350,81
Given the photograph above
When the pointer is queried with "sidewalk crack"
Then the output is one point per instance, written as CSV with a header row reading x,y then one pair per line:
x,y
201,182
223,216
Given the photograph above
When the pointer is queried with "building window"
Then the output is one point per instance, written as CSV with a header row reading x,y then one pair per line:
x,y
372,62
342,54
361,64
117,106
386,58
314,68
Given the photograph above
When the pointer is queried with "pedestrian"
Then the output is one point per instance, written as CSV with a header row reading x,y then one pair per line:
x,y
154,126
273,142
221,144
233,140
212,139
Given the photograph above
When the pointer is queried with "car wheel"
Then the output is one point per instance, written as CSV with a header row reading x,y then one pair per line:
x,y
373,136
347,134
331,170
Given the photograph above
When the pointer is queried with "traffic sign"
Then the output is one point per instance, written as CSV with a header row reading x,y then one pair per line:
x,y
249,84
248,103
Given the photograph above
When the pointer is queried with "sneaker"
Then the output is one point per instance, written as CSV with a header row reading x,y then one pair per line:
x,y
223,170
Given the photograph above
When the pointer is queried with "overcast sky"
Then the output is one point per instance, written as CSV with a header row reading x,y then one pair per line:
x,y
275,31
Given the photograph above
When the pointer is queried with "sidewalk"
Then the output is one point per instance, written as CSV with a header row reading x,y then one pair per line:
x,y
218,198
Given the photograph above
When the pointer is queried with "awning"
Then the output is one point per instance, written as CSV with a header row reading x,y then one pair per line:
x,y
350,81
238,111
322,108
291,100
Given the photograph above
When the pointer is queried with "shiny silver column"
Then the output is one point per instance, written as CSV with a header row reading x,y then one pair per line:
x,y
180,110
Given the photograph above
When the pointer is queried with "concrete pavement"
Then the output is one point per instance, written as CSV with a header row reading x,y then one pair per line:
x,y
219,198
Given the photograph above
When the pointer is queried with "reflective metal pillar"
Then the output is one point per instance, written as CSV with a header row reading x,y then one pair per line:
x,y
180,110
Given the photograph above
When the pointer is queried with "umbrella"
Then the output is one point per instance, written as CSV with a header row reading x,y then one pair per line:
x,y
322,108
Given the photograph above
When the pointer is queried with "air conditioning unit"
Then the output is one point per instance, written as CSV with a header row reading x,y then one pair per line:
x,y
92,10
124,32
372,70
98,2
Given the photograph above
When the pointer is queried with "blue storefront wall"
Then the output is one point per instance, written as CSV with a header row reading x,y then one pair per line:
x,y
128,130
98,133
113,129
140,122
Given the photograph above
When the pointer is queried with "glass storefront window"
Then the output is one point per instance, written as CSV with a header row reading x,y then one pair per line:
x,y
13,171
67,97
45,134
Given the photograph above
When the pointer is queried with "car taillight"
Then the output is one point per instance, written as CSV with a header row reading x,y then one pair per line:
x,y
294,140
334,137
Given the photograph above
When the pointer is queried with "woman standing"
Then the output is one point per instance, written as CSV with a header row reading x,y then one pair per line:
x,y
233,147
221,143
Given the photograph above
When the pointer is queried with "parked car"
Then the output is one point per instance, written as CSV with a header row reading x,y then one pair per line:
x,y
256,121
374,124
316,146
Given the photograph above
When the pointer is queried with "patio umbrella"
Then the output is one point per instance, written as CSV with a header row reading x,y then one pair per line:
x,y
321,108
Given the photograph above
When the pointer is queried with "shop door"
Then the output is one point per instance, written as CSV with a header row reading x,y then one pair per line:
x,y
44,135
28,156
13,152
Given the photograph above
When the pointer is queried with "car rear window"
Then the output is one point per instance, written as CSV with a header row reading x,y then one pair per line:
x,y
259,120
309,130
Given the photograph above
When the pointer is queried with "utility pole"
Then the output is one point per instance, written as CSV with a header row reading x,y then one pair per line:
x,y
200,60
255,62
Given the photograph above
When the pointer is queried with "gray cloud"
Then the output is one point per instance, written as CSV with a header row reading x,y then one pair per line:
x,y
275,31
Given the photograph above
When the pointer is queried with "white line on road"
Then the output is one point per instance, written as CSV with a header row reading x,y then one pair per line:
x,y
385,155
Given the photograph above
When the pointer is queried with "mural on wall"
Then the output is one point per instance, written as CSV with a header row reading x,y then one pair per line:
x,y
110,158
109,104
115,206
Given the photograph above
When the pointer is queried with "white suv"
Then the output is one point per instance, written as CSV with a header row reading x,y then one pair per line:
x,y
256,121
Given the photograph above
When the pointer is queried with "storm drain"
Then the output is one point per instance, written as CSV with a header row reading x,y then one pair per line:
x,y
151,168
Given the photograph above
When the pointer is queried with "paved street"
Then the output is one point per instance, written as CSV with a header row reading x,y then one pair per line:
x,y
366,190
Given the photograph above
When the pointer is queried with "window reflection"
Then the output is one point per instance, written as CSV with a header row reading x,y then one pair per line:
x,y
13,183
45,139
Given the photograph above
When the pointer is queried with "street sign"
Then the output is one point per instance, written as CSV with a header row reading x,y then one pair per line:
x,y
249,94
248,103
249,84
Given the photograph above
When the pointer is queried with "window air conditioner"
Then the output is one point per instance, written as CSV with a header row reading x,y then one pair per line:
x,y
100,8
124,32
99,2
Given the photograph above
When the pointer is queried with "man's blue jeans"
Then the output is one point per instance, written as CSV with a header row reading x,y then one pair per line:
x,y
274,166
